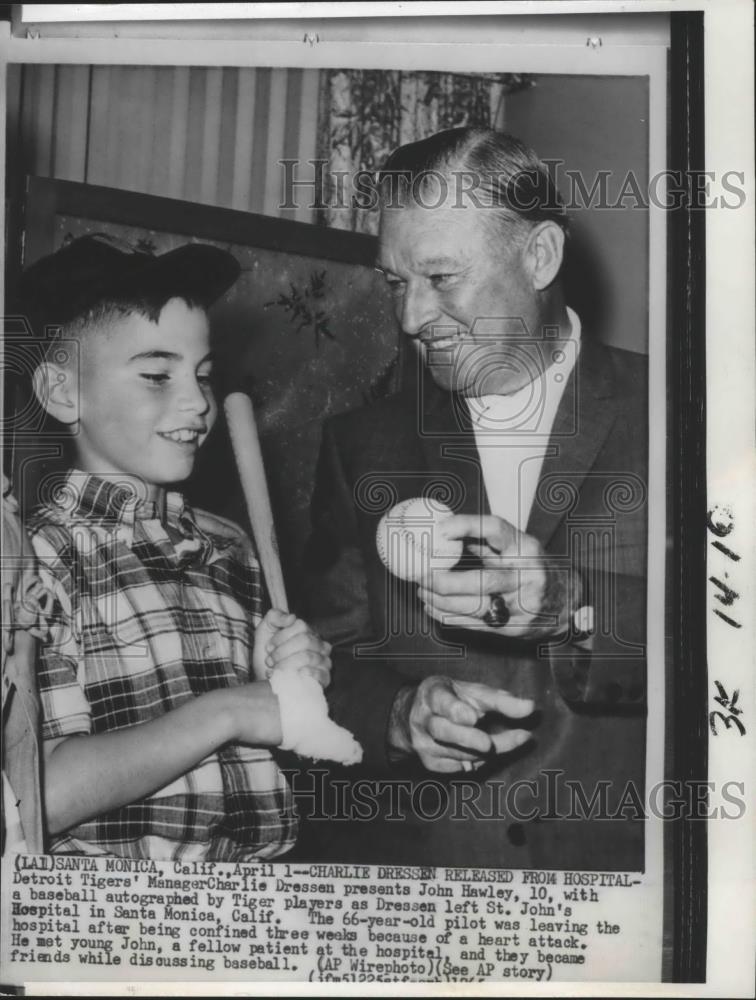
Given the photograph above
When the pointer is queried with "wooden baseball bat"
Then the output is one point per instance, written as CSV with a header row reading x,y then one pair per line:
x,y
246,444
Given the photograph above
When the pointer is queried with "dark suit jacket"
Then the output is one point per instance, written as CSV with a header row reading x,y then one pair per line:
x,y
589,725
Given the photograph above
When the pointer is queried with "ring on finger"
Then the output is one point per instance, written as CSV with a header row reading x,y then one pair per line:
x,y
497,614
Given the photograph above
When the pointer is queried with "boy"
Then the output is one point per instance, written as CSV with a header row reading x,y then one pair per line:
x,y
155,732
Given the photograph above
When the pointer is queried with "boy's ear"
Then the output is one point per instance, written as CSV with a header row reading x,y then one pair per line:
x,y
545,253
56,389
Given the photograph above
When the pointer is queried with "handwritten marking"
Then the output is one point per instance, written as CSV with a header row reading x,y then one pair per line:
x,y
729,703
725,701
720,522
728,595
728,552
720,528
727,619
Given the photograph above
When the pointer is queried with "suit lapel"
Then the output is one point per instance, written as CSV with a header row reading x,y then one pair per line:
x,y
585,416
583,421
448,444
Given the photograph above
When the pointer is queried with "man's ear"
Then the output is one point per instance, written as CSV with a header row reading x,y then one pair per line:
x,y
545,253
56,389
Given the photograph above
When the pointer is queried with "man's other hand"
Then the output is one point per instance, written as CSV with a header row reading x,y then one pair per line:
x,y
437,720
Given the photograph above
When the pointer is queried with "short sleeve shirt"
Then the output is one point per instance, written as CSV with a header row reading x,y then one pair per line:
x,y
153,608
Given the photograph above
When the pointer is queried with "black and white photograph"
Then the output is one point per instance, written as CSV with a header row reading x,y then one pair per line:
x,y
377,498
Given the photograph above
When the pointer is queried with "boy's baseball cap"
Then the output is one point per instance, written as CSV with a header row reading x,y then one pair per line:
x,y
91,269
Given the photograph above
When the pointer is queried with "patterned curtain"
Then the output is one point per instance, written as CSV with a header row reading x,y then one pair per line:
x,y
365,114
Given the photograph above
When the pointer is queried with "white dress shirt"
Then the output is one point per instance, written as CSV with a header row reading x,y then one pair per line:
x,y
512,431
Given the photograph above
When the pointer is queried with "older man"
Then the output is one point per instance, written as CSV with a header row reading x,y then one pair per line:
x,y
508,692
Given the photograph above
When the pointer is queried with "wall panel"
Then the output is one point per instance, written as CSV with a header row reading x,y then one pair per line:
x,y
212,136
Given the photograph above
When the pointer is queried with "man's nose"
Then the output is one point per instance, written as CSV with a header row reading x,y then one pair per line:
x,y
419,309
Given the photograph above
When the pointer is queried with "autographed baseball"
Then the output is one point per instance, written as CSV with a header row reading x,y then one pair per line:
x,y
411,538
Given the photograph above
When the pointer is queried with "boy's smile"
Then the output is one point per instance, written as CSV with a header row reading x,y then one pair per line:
x,y
145,403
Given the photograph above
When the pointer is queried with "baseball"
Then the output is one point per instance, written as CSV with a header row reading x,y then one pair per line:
x,y
411,538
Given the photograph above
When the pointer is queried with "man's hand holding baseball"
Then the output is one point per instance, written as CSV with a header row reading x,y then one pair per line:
x,y
519,593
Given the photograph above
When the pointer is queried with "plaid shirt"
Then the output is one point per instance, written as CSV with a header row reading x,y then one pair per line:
x,y
148,614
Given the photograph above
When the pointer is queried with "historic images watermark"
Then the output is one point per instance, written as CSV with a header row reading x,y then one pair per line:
x,y
311,184
550,796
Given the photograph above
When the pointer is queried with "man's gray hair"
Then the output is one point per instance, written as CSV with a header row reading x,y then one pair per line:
x,y
479,167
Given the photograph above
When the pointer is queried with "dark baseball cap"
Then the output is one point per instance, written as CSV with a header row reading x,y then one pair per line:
x,y
97,268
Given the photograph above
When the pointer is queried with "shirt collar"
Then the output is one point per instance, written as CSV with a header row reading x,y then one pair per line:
x,y
537,400
576,327
83,495
573,336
